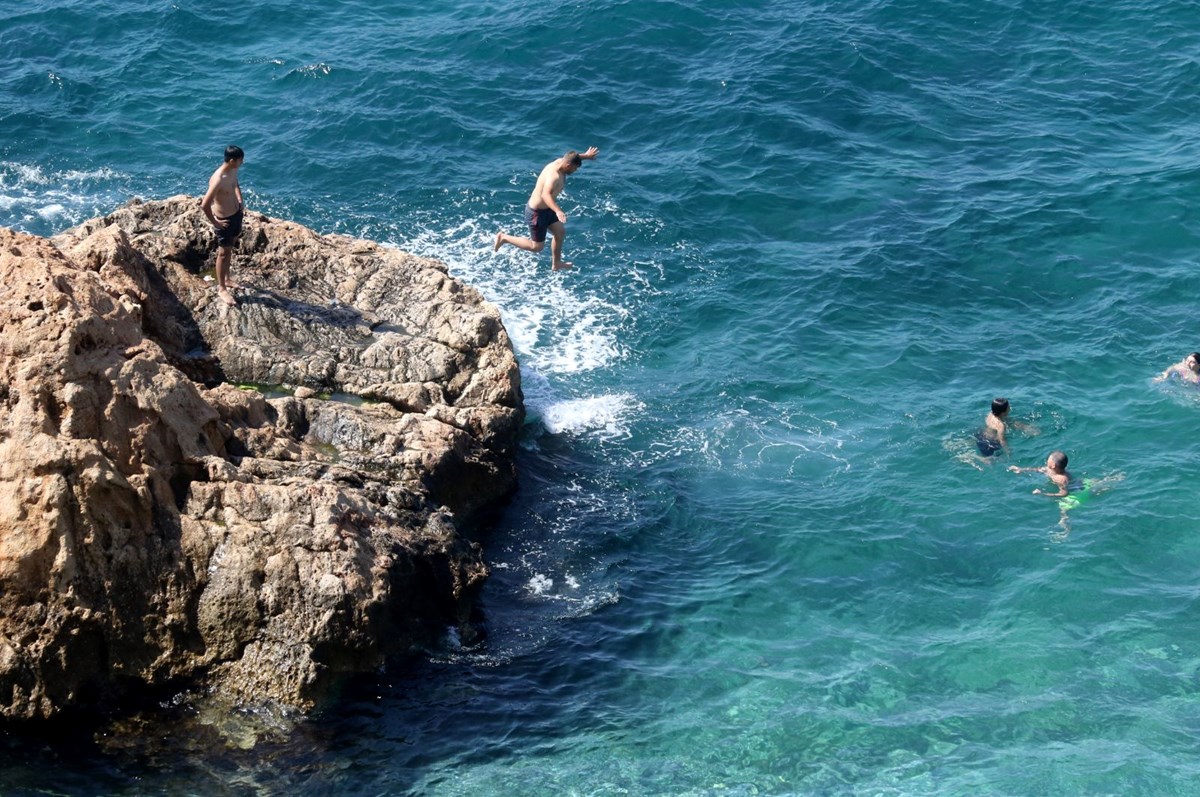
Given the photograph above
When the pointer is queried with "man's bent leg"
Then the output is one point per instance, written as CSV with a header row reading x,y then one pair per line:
x,y
521,243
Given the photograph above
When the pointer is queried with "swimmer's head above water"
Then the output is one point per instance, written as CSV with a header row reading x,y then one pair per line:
x,y
1057,461
999,406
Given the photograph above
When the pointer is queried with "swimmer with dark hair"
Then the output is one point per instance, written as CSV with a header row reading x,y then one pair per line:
x,y
992,439
1187,369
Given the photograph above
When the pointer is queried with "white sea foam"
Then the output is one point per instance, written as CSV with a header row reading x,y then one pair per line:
x,y
18,175
560,327
78,176
33,197
556,327
608,414
312,70
540,584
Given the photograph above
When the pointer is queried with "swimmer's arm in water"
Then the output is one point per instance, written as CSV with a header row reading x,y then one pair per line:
x,y
1175,370
1057,479
1027,428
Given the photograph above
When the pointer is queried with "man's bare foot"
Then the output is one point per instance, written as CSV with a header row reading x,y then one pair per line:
x,y
226,296
230,284
561,266
499,242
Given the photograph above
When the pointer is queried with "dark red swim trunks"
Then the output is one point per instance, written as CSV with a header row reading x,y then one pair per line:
x,y
539,221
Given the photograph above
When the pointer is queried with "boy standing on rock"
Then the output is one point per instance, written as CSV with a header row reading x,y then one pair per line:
x,y
223,206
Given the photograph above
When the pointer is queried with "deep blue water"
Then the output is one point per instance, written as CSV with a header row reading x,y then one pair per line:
x,y
750,553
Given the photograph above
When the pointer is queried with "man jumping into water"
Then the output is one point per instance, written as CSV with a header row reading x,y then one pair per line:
x,y
542,212
223,206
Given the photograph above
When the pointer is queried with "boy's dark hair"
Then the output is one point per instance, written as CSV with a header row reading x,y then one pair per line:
x,y
233,153
572,158
1060,459
1195,354
999,406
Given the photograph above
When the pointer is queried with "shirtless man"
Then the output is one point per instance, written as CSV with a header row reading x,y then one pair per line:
x,y
1071,493
1055,470
223,206
1187,369
542,212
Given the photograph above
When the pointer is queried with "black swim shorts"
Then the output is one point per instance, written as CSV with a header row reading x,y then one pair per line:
x,y
228,235
988,446
539,221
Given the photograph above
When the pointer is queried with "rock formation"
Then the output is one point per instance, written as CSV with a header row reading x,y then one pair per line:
x,y
252,500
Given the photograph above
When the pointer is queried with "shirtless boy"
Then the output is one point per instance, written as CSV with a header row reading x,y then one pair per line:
x,y
1187,369
993,437
222,204
542,212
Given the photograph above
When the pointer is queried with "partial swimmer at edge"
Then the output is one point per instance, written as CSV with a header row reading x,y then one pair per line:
x,y
1187,369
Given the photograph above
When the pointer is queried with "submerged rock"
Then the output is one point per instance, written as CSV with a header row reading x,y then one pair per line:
x,y
252,500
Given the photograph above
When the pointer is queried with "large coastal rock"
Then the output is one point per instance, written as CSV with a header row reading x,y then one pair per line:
x,y
251,500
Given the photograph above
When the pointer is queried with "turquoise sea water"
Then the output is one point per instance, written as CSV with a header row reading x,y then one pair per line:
x,y
749,554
